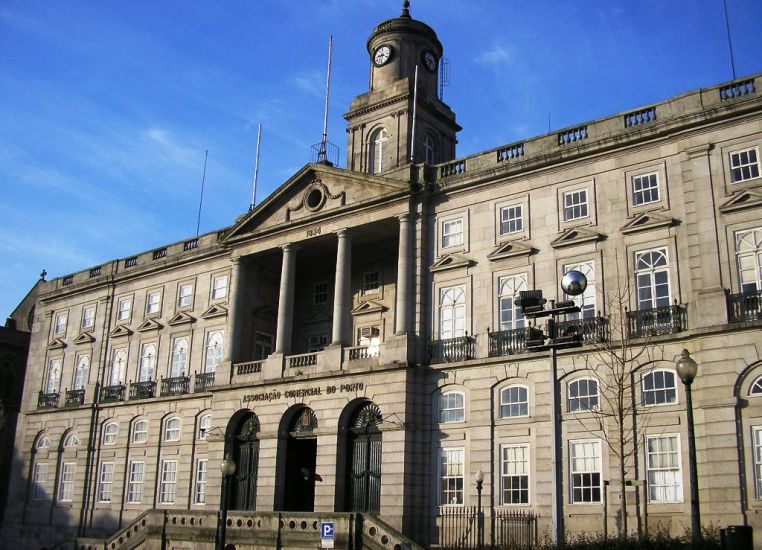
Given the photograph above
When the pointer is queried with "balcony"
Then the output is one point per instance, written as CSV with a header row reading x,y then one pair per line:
x,y
507,342
593,330
303,360
656,321
745,306
250,367
112,394
177,385
74,398
204,381
357,353
143,390
460,348
48,400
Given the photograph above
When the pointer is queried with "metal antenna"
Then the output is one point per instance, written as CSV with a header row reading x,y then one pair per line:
x,y
415,102
444,76
730,43
256,170
201,200
322,153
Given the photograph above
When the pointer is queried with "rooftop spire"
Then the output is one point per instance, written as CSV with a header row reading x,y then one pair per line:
x,y
406,9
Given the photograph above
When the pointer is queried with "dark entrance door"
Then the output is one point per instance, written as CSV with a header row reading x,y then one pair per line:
x,y
301,457
364,447
246,452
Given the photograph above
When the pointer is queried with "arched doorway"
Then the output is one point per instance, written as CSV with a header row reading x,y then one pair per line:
x,y
243,493
301,457
364,460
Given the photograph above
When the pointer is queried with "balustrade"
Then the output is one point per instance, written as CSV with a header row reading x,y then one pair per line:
x,y
74,398
142,390
656,321
507,342
302,360
460,348
177,385
745,306
112,394
250,367
48,400
204,381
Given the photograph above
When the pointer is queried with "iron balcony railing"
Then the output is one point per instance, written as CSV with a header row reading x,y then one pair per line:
x,y
593,330
177,385
112,394
143,390
74,398
656,321
459,348
48,400
204,381
745,306
507,342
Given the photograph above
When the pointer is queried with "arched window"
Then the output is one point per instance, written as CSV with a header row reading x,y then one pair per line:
x,y
147,368
204,423
172,429
452,312
583,395
213,351
53,380
81,372
756,387
179,366
749,253
110,432
118,366
71,440
452,407
659,387
43,442
652,278
514,401
429,149
586,300
511,316
377,150
140,431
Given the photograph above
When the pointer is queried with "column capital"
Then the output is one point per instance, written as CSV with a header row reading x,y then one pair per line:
x,y
404,217
343,233
235,260
289,247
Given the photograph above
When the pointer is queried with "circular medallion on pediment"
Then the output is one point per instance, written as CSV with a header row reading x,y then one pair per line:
x,y
315,196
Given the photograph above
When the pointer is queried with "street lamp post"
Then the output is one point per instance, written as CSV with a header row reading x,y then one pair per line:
x,y
532,305
479,479
227,467
687,369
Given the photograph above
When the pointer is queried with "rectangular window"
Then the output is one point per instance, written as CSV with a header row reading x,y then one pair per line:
x,y
451,469
575,205
66,485
744,165
585,467
757,434
320,295
220,287
200,493
168,482
514,476
185,296
105,481
663,464
370,337
452,407
40,479
60,326
317,343
124,309
88,317
645,189
511,219
135,483
371,282
452,233
153,303
263,345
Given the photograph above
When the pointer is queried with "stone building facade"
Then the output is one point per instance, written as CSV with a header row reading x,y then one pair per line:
x,y
355,345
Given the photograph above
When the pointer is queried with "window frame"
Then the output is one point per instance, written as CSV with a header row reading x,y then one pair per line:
x,y
86,327
122,352
657,390
153,308
756,439
755,253
447,235
53,375
260,346
320,296
652,176
179,356
168,482
147,361
214,290
81,373
39,480
199,490
368,287
124,309
588,300
110,436
510,405
444,409
443,478
587,397
167,430
506,301
457,311
133,436
106,482
217,347
185,300
731,169
590,486
652,270
60,322
582,205
676,470
204,425
527,475
519,228
376,147
66,481
135,486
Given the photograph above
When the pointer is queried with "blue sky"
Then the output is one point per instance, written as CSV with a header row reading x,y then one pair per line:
x,y
107,107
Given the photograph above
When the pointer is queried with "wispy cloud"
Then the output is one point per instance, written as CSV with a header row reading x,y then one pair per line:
x,y
497,54
311,81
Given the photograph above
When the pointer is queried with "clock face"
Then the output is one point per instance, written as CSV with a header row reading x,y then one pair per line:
x,y
382,55
429,61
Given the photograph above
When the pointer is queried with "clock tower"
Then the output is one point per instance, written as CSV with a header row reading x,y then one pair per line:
x,y
380,122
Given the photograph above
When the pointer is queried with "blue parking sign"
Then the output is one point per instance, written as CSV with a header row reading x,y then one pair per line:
x,y
326,534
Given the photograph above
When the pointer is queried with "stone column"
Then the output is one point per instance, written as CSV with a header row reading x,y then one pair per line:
x,y
404,286
236,311
342,298
286,300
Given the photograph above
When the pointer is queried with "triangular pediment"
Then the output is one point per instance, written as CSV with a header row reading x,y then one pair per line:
x,y
56,343
510,249
741,201
312,193
316,316
215,311
647,221
121,330
149,325
451,261
575,236
181,318
84,338
370,306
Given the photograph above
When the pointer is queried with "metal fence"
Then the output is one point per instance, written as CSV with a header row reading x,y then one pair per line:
x,y
462,527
